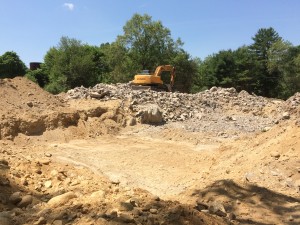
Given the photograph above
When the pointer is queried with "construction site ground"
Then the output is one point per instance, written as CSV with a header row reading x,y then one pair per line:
x,y
77,161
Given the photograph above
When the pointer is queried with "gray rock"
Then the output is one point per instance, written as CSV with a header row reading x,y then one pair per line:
x,y
48,184
125,217
250,177
243,94
156,198
136,212
134,202
57,222
44,161
41,221
213,89
111,214
48,154
204,210
125,206
98,196
151,114
200,205
61,199
231,90
131,121
30,104
5,219
265,129
44,212
217,208
290,218
4,162
153,211
286,116
115,180
275,154
26,200
232,216
15,198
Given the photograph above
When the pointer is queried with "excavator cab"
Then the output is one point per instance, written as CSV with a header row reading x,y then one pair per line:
x,y
154,81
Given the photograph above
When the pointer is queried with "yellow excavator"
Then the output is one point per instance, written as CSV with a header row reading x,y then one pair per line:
x,y
145,80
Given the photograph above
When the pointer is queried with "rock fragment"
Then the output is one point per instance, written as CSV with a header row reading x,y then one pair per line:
x,y
275,154
217,208
61,199
25,201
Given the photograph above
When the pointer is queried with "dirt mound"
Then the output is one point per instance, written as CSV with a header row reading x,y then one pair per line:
x,y
20,95
28,109
256,176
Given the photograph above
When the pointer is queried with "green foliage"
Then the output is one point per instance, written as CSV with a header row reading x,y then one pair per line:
x,y
268,67
285,60
244,69
185,71
218,70
120,66
206,75
38,76
11,65
148,42
73,64
263,41
267,81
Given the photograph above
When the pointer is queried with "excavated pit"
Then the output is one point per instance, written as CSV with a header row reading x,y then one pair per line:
x,y
220,157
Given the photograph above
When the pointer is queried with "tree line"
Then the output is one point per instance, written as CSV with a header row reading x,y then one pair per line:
x,y
269,67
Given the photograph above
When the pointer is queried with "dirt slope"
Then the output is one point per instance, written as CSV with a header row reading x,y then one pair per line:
x,y
77,161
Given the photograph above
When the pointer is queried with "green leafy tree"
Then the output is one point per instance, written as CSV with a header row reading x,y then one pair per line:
x,y
245,63
185,71
120,67
148,42
218,70
284,59
206,74
225,68
54,68
38,76
11,65
73,64
266,81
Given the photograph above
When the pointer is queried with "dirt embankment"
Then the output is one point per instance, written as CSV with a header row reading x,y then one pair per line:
x,y
217,157
28,109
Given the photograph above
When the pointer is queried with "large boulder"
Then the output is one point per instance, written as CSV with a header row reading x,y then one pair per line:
x,y
151,114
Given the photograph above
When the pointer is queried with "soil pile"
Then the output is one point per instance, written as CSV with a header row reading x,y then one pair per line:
x,y
28,109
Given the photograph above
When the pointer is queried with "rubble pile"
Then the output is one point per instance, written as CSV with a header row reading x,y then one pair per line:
x,y
293,103
182,106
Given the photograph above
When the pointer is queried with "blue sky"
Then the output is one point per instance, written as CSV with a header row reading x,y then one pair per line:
x,y
31,27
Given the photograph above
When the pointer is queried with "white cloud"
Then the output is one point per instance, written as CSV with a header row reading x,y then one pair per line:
x,y
69,6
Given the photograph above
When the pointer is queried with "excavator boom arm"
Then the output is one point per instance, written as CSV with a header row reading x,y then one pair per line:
x,y
163,68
